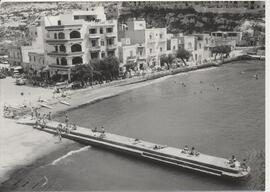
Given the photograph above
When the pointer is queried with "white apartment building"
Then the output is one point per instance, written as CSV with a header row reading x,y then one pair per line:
x,y
152,42
77,38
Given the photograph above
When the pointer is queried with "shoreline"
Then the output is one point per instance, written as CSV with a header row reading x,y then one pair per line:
x,y
81,98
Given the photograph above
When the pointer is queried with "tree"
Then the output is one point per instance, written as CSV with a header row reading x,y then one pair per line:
x,y
183,54
222,50
167,59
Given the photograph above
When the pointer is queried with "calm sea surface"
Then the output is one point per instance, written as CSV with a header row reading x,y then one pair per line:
x,y
220,112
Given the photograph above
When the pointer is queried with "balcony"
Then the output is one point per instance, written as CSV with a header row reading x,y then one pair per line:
x,y
55,53
94,36
61,41
64,54
56,40
95,49
111,35
112,46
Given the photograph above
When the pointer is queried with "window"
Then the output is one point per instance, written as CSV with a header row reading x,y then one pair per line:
x,y
109,30
92,31
102,43
150,36
29,58
200,45
102,54
94,43
77,60
63,61
110,42
59,22
34,58
35,33
75,34
94,55
131,53
56,48
57,61
55,36
160,36
101,30
160,49
76,17
150,50
76,48
174,47
140,52
62,48
61,35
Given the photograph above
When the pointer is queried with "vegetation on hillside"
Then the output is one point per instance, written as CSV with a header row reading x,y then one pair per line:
x,y
188,20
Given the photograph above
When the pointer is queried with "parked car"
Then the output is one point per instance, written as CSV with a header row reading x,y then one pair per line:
x,y
20,81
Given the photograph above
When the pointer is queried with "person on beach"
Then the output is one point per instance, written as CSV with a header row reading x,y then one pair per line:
x,y
66,120
58,130
49,116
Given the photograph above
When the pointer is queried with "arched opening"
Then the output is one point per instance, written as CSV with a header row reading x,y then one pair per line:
x,y
77,60
75,34
63,61
61,35
62,48
76,48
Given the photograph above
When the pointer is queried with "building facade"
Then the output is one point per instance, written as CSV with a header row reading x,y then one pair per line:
x,y
14,56
150,43
76,39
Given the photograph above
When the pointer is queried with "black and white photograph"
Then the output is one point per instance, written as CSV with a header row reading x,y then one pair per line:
x,y
133,95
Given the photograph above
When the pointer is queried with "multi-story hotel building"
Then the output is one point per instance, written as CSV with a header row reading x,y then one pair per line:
x,y
77,38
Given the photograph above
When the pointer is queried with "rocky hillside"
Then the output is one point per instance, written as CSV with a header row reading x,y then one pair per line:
x,y
189,21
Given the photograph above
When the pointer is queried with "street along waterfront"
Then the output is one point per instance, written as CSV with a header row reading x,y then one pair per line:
x,y
218,111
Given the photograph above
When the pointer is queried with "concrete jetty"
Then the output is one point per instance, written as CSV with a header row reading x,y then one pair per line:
x,y
147,150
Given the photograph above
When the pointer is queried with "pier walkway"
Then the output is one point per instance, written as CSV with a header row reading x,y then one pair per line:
x,y
152,151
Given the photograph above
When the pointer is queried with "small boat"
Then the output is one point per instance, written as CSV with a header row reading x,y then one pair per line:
x,y
47,106
65,103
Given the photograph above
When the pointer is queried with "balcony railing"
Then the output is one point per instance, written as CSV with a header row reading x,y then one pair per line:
x,y
94,36
55,53
95,48
58,41
112,46
112,34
